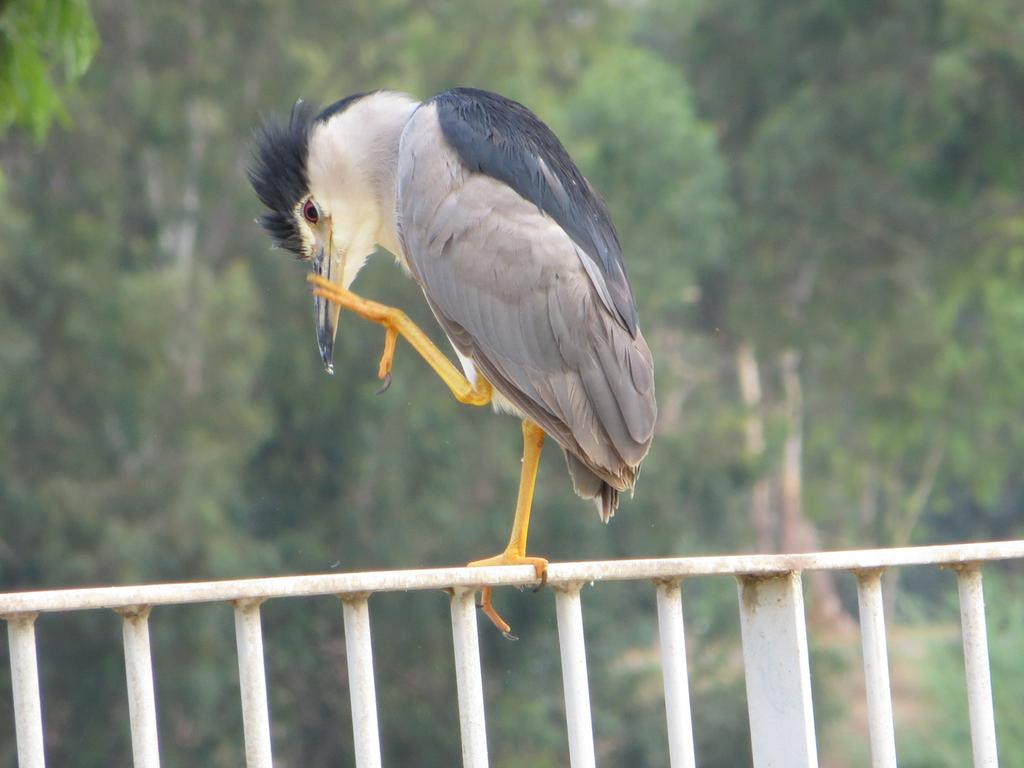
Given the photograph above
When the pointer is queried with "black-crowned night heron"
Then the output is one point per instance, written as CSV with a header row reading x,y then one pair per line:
x,y
516,255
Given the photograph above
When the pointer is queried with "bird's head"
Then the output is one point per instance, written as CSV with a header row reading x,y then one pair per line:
x,y
327,180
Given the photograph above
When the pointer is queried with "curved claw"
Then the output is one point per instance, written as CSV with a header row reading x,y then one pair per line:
x,y
543,581
386,385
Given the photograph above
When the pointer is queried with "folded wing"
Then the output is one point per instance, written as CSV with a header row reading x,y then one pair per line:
x,y
549,324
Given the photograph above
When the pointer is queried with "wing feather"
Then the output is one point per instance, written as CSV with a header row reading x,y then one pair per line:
x,y
510,288
503,139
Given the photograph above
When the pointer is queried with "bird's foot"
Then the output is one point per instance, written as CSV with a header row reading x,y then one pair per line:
x,y
396,323
389,317
540,567
387,359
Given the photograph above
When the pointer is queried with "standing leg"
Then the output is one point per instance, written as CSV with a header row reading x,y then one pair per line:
x,y
515,552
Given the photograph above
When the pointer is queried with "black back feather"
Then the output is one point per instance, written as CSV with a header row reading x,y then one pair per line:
x,y
503,139
340,106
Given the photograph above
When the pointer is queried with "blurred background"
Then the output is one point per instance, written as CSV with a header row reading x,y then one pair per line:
x,y
821,204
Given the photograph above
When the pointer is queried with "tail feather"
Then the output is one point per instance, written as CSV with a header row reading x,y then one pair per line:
x,y
589,485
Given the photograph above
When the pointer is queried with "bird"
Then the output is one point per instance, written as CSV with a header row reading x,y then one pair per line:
x,y
516,256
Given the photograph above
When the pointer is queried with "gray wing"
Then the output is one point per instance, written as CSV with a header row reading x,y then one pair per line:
x,y
513,292
504,140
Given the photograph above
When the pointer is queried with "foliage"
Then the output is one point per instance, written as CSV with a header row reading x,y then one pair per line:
x,y
45,46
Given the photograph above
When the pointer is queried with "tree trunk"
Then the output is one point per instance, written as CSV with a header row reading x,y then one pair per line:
x,y
799,533
764,522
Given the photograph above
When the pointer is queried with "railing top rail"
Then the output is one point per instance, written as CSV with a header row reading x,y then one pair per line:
x,y
559,574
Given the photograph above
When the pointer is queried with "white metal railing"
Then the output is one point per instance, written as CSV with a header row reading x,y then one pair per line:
x,y
774,638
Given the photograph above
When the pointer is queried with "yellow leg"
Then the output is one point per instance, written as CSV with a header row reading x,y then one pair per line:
x,y
515,552
397,323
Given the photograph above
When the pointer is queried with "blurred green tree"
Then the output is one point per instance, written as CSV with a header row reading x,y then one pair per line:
x,y
820,204
45,47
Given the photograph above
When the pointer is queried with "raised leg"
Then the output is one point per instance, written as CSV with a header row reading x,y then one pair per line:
x,y
515,552
397,323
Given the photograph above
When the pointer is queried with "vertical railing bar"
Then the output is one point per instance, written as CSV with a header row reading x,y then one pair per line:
x,y
472,721
141,698
777,671
362,691
574,675
252,682
674,674
876,668
976,666
28,711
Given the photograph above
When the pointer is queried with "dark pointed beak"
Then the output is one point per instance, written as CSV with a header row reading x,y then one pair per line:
x,y
326,313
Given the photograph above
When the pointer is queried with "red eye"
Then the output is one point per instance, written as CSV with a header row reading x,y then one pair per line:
x,y
310,212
